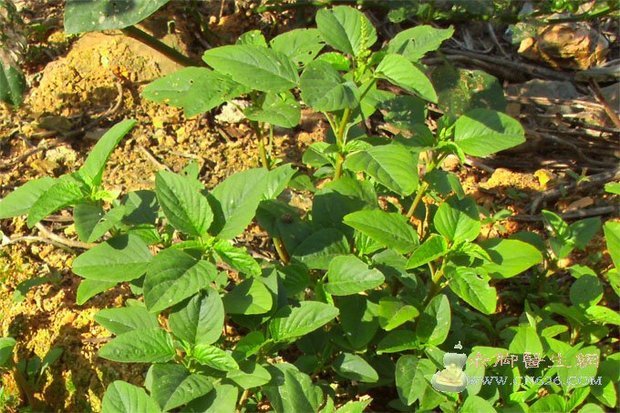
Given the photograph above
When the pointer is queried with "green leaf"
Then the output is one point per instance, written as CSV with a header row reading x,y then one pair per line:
x,y
292,322
483,132
12,83
606,393
317,250
586,291
349,275
91,222
391,165
434,323
393,313
183,204
510,257
338,61
61,194
339,198
21,199
201,320
249,344
397,341
277,180
235,200
86,215
324,89
612,238
434,247
300,45
525,341
90,288
121,397
584,230
237,258
603,315
222,400
460,90
582,363
254,37
404,111
476,404
554,330
357,320
353,367
256,67
352,407
249,375
291,390
458,219
6,350
249,297
390,229
95,15
410,377
414,43
140,207
403,73
214,357
472,289
123,258
173,276
346,29
613,188
92,170
174,386
194,89
146,345
277,109
591,408
549,403
124,319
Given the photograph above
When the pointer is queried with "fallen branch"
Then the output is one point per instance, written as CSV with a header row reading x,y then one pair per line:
x,y
591,181
611,113
48,237
575,148
584,213
149,155
62,240
532,70
26,155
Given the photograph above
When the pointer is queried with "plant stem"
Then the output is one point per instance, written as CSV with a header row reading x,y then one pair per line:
x,y
242,400
435,278
417,199
262,153
281,250
339,162
152,42
341,141
25,389
340,138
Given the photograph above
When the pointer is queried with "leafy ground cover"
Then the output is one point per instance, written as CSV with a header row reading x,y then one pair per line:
x,y
309,231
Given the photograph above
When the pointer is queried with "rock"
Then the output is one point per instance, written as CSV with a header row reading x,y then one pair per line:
x,y
505,178
575,46
550,89
85,80
230,112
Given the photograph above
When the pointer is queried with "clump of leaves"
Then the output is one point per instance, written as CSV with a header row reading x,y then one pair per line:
x,y
366,294
28,373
